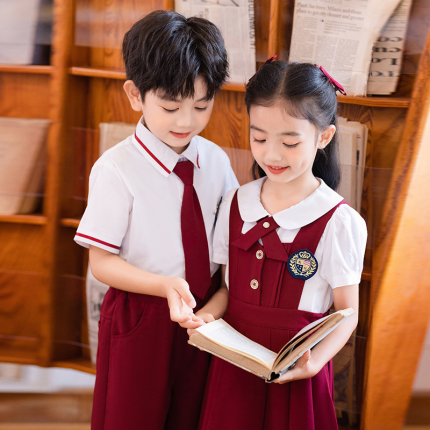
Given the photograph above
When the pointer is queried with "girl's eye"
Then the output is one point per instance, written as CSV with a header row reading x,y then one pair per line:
x,y
291,146
170,110
201,109
259,141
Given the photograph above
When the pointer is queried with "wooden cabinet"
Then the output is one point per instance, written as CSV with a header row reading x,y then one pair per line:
x,y
42,271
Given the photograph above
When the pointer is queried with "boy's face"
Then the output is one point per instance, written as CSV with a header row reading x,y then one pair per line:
x,y
175,122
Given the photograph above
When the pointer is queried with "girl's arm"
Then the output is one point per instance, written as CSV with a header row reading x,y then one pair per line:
x,y
214,309
112,270
312,362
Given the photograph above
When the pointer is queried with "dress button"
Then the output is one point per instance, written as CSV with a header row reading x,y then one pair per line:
x,y
254,284
266,224
259,254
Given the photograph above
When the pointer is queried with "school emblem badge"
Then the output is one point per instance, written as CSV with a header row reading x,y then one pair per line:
x,y
302,264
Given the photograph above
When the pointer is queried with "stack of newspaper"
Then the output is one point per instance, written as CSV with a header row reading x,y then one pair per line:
x,y
352,153
342,36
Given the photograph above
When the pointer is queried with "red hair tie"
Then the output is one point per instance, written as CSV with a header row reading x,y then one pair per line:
x,y
336,84
269,60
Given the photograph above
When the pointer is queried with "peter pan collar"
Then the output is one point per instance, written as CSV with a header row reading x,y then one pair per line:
x,y
162,157
322,200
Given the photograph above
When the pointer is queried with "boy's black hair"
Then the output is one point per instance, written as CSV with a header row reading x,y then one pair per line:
x,y
166,52
306,93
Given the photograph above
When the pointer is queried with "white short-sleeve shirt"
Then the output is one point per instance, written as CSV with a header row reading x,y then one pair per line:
x,y
134,201
340,252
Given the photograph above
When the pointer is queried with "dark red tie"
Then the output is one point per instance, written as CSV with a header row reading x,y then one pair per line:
x,y
194,240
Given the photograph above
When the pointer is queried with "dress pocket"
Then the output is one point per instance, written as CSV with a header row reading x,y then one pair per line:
x,y
128,315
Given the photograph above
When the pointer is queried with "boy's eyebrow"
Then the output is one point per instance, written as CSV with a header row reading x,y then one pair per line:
x,y
176,100
286,133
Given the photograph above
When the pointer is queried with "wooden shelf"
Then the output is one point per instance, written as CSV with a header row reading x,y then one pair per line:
x,y
366,275
81,363
387,101
98,73
24,219
70,222
381,101
120,74
17,68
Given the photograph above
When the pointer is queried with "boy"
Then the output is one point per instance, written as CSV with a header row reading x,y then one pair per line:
x,y
149,226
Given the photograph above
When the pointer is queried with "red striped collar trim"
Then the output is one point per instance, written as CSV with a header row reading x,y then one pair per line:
x,y
97,240
152,155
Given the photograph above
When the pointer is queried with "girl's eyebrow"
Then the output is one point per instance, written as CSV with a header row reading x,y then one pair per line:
x,y
286,133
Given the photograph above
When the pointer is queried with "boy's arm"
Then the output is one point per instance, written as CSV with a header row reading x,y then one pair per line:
x,y
112,270
214,309
312,362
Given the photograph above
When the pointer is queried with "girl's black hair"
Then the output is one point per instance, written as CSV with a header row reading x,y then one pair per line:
x,y
166,51
306,93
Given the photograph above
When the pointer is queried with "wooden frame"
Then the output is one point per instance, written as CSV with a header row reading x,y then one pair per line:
x,y
42,271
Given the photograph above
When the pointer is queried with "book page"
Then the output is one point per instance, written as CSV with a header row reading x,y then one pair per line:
x,y
222,333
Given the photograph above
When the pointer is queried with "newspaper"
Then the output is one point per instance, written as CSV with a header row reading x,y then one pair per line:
x,y
339,35
235,19
387,53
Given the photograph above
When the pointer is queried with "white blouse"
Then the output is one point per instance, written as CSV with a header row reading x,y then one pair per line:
x,y
135,199
340,252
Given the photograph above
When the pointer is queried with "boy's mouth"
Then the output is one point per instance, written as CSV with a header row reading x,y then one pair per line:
x,y
180,135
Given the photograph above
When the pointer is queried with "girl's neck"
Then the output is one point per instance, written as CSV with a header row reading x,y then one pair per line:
x,y
276,196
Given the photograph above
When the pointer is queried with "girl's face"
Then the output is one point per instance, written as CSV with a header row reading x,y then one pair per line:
x,y
283,146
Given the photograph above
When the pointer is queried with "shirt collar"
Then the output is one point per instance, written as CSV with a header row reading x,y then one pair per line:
x,y
322,200
162,157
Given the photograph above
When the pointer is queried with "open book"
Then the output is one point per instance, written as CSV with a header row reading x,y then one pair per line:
x,y
222,340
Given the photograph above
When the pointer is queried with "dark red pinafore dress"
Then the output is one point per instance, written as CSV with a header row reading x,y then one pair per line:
x,y
263,305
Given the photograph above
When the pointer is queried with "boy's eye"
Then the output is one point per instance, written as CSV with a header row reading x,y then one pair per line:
x,y
170,110
259,141
201,109
291,146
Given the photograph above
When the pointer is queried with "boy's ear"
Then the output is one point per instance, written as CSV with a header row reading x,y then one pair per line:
x,y
133,95
326,136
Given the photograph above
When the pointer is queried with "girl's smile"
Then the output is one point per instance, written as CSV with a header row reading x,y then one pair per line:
x,y
277,170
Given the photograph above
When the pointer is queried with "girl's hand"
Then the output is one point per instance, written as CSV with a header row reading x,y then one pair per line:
x,y
205,317
192,324
303,369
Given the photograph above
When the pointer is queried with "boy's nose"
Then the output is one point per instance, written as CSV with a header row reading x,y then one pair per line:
x,y
184,120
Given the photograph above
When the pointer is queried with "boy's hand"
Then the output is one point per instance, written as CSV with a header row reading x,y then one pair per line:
x,y
180,300
303,369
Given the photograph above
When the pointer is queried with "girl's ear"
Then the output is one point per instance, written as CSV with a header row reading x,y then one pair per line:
x,y
133,95
326,136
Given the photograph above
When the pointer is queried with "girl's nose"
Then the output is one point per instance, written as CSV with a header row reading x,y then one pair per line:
x,y
272,153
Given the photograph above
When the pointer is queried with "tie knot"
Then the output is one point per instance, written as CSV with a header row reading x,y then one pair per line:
x,y
185,171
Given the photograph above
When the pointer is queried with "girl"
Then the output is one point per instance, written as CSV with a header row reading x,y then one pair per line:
x,y
292,247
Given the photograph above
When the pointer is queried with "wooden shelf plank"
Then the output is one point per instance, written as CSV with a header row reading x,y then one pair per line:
x,y
24,219
17,68
396,102
120,74
70,222
387,101
98,73
366,275
81,363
